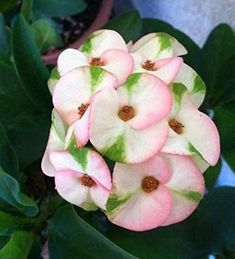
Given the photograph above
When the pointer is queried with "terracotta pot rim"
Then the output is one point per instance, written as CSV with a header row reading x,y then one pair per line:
x,y
101,18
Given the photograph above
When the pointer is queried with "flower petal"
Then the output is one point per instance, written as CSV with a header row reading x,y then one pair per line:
x,y
70,59
76,87
190,79
99,195
116,139
158,45
100,41
68,185
55,142
150,98
119,63
143,211
187,187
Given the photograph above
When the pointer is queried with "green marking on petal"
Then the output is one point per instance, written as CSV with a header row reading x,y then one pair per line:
x,y
87,46
131,82
55,74
115,201
199,85
193,150
80,155
97,75
89,206
117,151
165,41
178,89
193,196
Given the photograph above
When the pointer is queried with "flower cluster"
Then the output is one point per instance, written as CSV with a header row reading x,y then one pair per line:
x,y
136,105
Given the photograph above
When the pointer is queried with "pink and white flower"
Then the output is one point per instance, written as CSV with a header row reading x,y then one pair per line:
x,y
161,191
191,131
157,54
103,48
73,97
82,177
128,124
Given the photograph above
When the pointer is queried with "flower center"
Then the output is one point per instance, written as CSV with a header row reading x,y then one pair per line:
x,y
82,108
176,126
87,181
96,62
149,65
149,184
126,113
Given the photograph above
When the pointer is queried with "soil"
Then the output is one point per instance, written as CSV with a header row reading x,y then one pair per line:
x,y
72,27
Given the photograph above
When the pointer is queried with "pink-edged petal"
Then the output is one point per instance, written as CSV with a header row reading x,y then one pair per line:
x,y
193,82
76,88
63,160
127,177
143,211
116,139
200,131
167,69
81,129
55,142
70,59
200,163
68,185
118,62
98,170
150,98
186,185
158,45
100,41
99,194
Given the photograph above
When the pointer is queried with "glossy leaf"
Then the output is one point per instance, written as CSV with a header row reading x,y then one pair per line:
x,y
224,119
212,174
30,68
8,157
71,237
59,7
215,222
45,35
10,194
10,223
4,39
129,25
18,246
26,9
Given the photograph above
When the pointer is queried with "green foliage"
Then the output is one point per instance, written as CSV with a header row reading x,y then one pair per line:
x,y
74,238
59,7
129,25
18,246
26,9
10,194
32,72
4,38
45,35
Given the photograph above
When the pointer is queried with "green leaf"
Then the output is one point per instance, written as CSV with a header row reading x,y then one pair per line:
x,y
8,157
215,221
30,68
26,9
74,238
59,7
10,194
217,53
46,35
18,246
4,39
10,223
4,240
129,25
7,5
211,175
224,119
194,56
